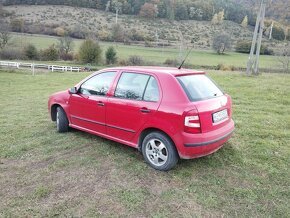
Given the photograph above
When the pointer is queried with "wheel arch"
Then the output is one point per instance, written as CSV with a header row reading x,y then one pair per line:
x,y
53,111
148,130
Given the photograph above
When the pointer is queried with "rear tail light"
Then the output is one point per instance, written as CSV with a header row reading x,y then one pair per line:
x,y
192,122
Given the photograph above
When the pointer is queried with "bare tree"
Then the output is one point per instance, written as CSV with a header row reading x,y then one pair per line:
x,y
284,58
221,43
66,44
4,35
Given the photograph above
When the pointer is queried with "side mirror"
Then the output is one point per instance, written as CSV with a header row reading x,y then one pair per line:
x,y
73,90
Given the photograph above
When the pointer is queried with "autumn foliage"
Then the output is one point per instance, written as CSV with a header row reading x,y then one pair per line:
x,y
148,10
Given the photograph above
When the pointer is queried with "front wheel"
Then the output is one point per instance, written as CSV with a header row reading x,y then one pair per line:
x,y
61,120
159,151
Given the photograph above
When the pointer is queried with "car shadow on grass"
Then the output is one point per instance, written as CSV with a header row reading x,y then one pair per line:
x,y
130,158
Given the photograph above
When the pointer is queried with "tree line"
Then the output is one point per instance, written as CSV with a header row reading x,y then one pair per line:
x,y
168,9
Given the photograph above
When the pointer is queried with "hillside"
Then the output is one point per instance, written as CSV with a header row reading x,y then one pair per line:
x,y
52,20
234,10
169,9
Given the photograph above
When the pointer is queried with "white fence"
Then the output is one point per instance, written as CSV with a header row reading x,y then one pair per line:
x,y
33,66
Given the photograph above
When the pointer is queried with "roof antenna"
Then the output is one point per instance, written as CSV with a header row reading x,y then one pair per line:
x,y
185,58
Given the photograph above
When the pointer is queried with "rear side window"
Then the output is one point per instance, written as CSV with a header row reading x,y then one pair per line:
x,y
152,91
199,87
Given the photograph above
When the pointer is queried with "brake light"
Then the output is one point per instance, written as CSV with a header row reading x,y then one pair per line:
x,y
192,122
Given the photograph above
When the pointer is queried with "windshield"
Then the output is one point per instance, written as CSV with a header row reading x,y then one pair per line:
x,y
199,87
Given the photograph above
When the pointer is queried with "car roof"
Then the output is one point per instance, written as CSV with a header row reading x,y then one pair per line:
x,y
164,70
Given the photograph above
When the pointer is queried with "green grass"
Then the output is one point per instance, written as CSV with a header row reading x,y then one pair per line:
x,y
156,55
43,173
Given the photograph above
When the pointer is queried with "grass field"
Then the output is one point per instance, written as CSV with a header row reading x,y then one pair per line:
x,y
43,173
156,55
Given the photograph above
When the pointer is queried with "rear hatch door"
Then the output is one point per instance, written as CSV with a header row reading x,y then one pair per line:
x,y
213,106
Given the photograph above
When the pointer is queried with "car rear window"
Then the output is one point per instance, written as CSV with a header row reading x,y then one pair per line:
x,y
199,87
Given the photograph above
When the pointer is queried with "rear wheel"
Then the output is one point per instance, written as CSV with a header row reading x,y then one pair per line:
x,y
61,120
159,151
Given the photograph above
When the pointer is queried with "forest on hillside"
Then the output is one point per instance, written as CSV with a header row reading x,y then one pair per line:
x,y
278,10
170,9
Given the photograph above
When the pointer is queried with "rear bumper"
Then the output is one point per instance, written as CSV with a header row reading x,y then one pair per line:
x,y
198,145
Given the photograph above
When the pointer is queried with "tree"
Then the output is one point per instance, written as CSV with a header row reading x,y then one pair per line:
x,y
3,13
170,9
117,33
221,16
31,52
284,58
181,12
4,35
148,10
111,55
245,22
215,19
90,52
65,44
218,18
221,43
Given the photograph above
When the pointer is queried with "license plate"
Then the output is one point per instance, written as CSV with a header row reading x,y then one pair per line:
x,y
219,116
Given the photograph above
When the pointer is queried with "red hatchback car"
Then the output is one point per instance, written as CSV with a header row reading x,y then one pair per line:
x,y
167,113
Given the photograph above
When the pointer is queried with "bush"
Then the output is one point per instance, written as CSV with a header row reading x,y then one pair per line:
x,y
50,54
111,55
11,54
278,33
225,67
135,35
66,56
104,35
17,25
31,52
123,62
77,35
245,47
148,44
90,52
135,60
78,32
59,31
171,62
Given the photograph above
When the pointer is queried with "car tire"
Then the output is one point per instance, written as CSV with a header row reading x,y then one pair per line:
x,y
61,120
159,151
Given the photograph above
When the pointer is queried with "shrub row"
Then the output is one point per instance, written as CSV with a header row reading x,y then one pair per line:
x,y
245,47
90,52
31,53
117,33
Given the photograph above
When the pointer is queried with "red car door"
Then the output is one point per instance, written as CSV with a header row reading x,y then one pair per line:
x,y
135,101
88,107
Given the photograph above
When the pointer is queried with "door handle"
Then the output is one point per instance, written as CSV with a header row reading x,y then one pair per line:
x,y
100,103
145,110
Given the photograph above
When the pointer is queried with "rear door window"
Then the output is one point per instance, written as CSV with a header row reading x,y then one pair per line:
x,y
131,86
199,87
98,84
